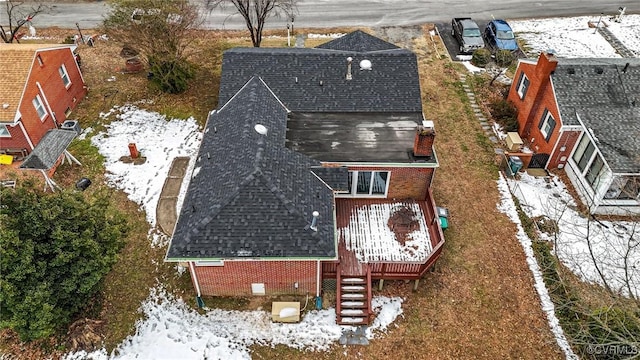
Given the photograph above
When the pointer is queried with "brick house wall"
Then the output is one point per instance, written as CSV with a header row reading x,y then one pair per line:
x,y
404,182
234,278
566,142
56,98
538,98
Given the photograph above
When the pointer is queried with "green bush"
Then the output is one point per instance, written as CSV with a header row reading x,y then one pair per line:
x,y
481,57
55,250
171,76
504,58
505,114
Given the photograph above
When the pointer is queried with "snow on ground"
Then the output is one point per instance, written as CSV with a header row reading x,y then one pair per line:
x,y
173,330
158,139
615,245
573,38
508,207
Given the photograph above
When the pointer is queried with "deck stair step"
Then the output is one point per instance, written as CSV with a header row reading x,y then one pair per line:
x,y
353,305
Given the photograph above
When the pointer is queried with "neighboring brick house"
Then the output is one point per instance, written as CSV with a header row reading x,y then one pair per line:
x,y
583,116
314,172
40,86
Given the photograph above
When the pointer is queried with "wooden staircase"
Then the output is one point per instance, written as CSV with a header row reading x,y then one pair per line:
x,y
353,298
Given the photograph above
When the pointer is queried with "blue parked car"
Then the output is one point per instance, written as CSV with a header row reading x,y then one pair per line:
x,y
499,36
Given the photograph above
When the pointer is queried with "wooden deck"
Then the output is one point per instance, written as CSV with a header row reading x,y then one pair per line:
x,y
349,264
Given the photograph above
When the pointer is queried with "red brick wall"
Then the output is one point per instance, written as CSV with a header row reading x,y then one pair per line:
x,y
405,182
17,139
539,97
566,143
57,96
235,277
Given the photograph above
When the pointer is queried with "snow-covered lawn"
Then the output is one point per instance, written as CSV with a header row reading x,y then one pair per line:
x,y
173,330
573,38
615,245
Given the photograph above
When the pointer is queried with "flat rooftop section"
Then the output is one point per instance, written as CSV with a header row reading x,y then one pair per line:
x,y
354,137
393,231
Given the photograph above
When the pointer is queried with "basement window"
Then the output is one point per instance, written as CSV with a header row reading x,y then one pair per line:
x,y
39,59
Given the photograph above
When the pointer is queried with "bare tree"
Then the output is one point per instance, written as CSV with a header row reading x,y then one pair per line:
x,y
256,13
161,31
18,15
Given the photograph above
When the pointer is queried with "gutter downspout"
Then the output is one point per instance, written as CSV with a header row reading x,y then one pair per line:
x,y
197,284
318,287
46,101
26,136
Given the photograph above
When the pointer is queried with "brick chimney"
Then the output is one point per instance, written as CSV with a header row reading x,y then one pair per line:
x,y
423,143
547,63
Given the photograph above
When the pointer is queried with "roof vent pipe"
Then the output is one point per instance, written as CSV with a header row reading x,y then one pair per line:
x,y
626,66
314,221
349,60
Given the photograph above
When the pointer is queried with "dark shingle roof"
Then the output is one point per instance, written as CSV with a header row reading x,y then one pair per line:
x,y
315,80
249,195
337,178
358,41
606,98
45,155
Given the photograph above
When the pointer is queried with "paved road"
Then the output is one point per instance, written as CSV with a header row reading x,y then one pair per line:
x,y
329,13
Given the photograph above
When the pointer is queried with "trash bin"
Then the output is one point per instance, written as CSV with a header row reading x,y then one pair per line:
x,y
443,215
83,184
515,164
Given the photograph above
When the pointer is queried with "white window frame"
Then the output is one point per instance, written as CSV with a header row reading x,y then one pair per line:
x,y
522,86
543,129
38,104
4,131
354,185
64,75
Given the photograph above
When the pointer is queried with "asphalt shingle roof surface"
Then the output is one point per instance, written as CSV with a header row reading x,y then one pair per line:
x,y
337,178
606,98
250,197
45,155
358,41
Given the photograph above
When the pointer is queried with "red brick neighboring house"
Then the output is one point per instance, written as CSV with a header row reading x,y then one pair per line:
x,y
583,116
314,173
40,86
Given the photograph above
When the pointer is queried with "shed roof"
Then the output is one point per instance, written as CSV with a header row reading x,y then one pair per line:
x,y
45,155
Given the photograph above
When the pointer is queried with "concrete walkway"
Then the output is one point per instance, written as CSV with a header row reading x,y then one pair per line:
x,y
615,43
166,212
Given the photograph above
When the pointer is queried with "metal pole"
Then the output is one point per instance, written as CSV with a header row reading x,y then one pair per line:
x,y
288,36
598,24
80,32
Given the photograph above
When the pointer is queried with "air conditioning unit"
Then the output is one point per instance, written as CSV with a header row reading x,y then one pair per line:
x,y
72,125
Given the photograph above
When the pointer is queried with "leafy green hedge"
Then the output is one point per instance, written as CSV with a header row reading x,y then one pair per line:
x,y
55,249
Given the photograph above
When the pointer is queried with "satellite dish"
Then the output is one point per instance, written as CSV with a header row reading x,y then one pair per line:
x,y
260,129
365,64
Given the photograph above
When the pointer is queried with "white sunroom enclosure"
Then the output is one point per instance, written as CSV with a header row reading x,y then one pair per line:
x,y
602,190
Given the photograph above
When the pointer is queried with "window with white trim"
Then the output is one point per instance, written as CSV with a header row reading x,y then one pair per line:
x,y
4,131
37,103
624,188
62,70
523,85
368,183
584,151
546,125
